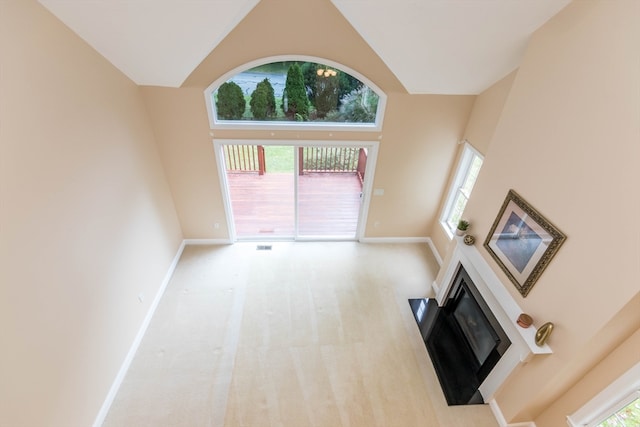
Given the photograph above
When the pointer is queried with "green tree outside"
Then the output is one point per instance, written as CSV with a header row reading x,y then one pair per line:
x,y
327,94
231,103
313,92
263,101
295,102
359,106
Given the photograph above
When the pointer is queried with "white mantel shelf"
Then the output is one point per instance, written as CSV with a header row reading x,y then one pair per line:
x,y
504,307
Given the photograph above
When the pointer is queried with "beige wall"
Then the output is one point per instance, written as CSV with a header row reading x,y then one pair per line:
x,y
181,126
293,27
622,358
417,149
568,142
486,112
86,221
417,142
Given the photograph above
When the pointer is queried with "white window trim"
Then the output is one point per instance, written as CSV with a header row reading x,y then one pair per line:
x,y
214,123
616,396
462,170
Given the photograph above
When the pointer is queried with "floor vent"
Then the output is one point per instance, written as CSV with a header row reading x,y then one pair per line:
x,y
263,247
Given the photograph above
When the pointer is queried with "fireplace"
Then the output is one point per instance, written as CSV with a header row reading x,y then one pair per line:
x,y
439,328
463,338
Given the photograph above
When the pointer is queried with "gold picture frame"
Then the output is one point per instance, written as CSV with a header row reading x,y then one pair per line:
x,y
522,242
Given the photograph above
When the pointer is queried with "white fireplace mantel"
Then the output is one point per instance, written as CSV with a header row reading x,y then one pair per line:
x,y
504,308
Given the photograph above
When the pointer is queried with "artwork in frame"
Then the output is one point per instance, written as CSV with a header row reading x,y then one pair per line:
x,y
522,242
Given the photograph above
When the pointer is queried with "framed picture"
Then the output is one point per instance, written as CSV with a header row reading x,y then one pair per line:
x,y
522,242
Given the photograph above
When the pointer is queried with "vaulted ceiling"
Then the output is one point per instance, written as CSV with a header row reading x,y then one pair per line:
x,y
431,46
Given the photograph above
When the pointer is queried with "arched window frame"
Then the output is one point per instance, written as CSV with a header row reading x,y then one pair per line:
x,y
214,123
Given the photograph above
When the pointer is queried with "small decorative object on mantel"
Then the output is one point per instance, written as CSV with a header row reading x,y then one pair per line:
x,y
522,242
463,226
543,332
469,240
524,320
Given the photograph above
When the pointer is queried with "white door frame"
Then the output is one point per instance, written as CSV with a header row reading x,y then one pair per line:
x,y
367,185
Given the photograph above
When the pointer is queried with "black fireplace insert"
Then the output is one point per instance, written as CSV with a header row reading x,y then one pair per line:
x,y
463,339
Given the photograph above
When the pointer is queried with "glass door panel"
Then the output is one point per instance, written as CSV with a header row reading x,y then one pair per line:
x,y
262,191
329,191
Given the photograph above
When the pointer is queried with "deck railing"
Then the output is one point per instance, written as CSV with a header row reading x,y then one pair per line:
x,y
251,158
332,159
245,158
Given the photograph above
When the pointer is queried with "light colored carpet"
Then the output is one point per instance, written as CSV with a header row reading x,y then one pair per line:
x,y
307,334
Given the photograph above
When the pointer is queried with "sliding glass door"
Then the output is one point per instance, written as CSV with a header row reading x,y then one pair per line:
x,y
285,192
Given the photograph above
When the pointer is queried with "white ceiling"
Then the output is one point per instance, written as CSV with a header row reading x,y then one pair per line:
x,y
432,46
153,42
449,46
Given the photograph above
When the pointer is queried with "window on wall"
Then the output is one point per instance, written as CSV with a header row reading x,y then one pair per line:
x,y
618,405
625,414
465,178
295,93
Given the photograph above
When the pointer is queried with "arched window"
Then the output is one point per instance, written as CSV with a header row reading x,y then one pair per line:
x,y
294,92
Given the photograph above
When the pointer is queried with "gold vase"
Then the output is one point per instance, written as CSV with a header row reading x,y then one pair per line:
x,y
543,332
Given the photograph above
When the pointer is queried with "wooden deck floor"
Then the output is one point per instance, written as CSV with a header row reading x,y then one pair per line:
x,y
264,205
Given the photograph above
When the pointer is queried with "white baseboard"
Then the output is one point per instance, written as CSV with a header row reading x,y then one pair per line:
x,y
426,240
435,252
207,242
115,386
502,421
436,288
394,239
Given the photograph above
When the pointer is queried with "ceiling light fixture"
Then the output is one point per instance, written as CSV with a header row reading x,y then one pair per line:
x,y
326,72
